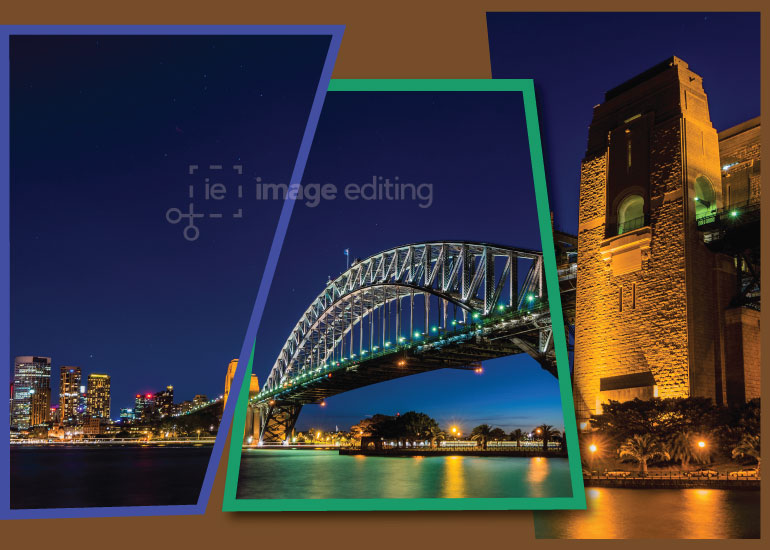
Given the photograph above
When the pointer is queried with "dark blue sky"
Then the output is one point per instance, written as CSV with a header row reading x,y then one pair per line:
x,y
575,57
472,147
103,130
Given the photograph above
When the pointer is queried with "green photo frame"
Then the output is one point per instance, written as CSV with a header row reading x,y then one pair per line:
x,y
577,501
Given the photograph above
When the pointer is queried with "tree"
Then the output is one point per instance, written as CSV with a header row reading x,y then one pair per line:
x,y
546,432
642,448
748,446
659,417
497,434
517,435
481,434
415,426
680,448
436,435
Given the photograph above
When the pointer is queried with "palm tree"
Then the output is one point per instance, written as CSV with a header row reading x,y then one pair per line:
x,y
517,435
643,448
481,434
546,432
435,434
680,447
748,446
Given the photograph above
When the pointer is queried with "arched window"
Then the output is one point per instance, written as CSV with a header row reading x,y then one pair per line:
x,y
705,198
630,214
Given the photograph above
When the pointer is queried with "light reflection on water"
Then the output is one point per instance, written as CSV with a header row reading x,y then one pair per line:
x,y
656,513
326,474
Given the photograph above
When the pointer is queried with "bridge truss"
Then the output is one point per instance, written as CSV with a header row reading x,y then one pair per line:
x,y
407,310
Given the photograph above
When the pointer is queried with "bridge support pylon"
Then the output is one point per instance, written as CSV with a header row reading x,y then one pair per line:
x,y
277,420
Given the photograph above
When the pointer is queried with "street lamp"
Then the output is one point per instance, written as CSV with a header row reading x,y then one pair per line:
x,y
702,444
592,448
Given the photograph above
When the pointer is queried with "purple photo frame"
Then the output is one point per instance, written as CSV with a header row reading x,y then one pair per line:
x,y
335,32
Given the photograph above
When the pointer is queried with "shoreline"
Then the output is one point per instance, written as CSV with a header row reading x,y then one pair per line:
x,y
454,452
752,484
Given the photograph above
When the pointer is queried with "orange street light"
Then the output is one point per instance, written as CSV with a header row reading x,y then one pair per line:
x,y
592,448
701,444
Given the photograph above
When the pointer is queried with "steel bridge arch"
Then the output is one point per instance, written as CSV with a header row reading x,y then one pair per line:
x,y
463,274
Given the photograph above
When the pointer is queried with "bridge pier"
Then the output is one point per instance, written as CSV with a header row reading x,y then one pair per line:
x,y
277,420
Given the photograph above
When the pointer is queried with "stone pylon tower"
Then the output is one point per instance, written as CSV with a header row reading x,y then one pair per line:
x,y
650,296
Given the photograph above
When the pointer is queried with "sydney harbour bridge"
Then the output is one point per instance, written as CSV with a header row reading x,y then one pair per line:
x,y
411,309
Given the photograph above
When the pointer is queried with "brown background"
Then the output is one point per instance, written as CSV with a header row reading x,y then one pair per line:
x,y
395,39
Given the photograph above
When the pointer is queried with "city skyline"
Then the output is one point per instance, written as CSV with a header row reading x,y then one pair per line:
x,y
77,400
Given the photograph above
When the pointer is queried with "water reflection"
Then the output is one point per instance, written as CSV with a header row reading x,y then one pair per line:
x,y
656,513
454,480
326,474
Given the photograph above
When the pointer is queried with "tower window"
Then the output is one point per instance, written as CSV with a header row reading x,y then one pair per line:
x,y
620,299
705,198
633,296
630,214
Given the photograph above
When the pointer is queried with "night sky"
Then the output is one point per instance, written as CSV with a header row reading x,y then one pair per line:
x,y
575,57
104,128
472,147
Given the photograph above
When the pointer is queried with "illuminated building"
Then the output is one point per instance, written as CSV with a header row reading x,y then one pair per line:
x,y
657,310
31,399
144,406
69,394
200,400
98,396
164,402
126,415
184,407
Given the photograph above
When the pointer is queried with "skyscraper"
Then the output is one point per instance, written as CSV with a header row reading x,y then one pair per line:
x,y
164,401
98,396
69,394
144,406
31,391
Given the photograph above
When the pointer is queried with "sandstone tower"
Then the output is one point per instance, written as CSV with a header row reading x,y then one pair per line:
x,y
654,299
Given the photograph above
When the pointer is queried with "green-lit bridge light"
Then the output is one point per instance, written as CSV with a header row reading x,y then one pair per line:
x,y
417,335
531,298
454,322
734,214
434,329
387,344
500,307
401,339
476,315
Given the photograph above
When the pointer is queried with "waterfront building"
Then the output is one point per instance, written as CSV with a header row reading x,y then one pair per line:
x,y
667,301
69,394
127,416
93,426
31,398
98,396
